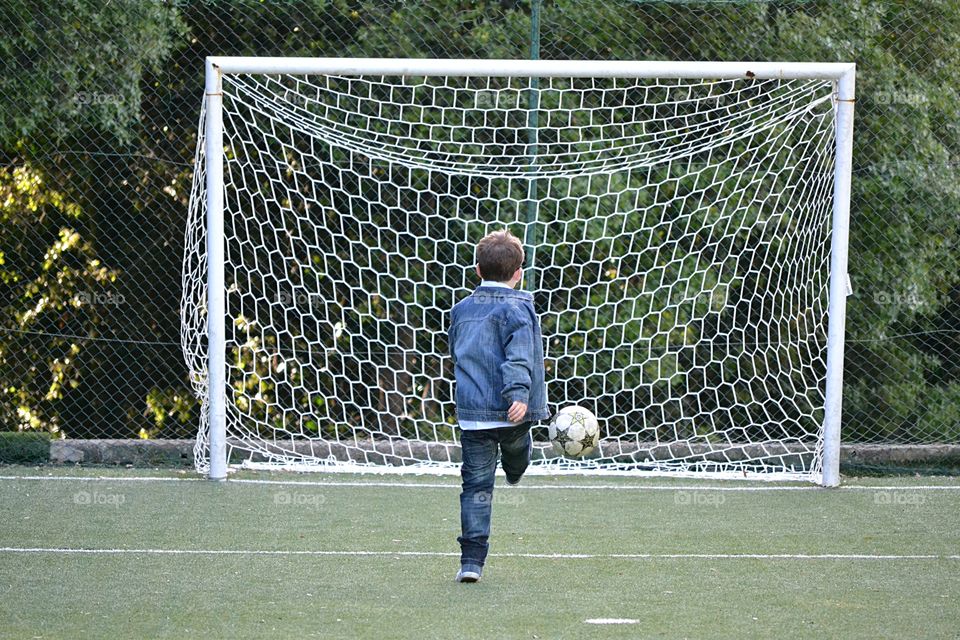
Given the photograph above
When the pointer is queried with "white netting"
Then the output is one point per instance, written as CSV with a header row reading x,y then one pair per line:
x,y
678,237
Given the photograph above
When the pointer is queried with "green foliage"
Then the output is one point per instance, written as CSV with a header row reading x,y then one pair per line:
x,y
18,447
72,96
98,114
50,282
76,65
168,406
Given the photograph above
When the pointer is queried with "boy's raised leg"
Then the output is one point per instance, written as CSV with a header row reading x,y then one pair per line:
x,y
476,498
516,447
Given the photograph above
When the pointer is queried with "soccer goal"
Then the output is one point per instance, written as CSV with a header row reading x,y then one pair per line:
x,y
685,227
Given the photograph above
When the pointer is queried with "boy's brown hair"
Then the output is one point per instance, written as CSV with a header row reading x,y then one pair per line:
x,y
499,255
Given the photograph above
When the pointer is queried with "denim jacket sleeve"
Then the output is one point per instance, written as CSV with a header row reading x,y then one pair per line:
x,y
517,346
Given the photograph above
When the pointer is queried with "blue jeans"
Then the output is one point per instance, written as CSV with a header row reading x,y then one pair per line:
x,y
480,449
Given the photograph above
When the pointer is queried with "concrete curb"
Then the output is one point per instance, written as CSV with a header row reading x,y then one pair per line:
x,y
149,453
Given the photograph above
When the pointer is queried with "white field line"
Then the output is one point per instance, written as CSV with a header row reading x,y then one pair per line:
x,y
451,554
610,621
427,485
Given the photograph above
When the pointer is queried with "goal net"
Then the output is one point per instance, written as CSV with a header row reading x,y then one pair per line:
x,y
678,233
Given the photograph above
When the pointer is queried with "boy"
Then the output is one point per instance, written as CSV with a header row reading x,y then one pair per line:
x,y
497,352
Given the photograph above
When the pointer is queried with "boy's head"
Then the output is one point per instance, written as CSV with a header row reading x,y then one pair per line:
x,y
499,257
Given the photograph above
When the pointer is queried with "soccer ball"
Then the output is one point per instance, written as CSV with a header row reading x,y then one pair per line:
x,y
574,432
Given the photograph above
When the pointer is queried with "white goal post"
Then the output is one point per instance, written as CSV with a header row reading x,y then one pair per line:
x,y
686,227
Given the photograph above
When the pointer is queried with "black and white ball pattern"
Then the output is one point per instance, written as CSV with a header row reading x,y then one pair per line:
x,y
574,432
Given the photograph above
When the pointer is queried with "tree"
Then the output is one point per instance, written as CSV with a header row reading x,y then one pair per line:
x,y
70,97
99,106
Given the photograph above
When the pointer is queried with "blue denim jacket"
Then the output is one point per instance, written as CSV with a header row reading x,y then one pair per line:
x,y
497,351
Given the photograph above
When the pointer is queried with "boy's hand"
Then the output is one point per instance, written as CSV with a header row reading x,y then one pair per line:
x,y
516,411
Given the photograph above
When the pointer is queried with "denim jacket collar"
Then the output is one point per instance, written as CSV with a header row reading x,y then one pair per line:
x,y
494,283
503,292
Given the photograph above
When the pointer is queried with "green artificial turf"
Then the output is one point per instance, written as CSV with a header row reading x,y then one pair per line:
x,y
161,591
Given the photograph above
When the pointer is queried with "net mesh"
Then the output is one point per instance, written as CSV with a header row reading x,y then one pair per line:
x,y
677,236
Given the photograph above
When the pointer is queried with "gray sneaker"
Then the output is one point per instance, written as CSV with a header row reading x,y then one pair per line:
x,y
469,573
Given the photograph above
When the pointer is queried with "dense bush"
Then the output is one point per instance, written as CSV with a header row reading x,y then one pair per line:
x,y
98,114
